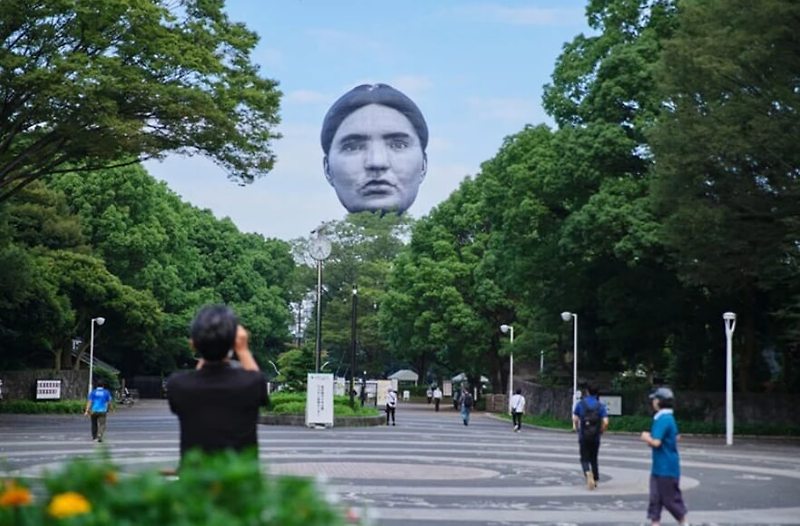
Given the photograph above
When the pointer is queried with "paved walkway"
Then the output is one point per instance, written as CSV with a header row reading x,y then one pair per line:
x,y
432,470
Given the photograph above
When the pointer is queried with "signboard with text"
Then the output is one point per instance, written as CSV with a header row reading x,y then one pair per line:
x,y
48,389
613,404
319,400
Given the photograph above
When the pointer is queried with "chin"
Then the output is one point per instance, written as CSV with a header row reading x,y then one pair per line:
x,y
383,207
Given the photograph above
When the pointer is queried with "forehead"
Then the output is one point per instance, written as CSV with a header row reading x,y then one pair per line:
x,y
375,120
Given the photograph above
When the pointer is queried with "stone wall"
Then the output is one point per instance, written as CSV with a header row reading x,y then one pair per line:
x,y
21,385
703,406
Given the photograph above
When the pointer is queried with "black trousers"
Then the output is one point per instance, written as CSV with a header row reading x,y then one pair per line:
x,y
436,402
589,450
389,412
516,418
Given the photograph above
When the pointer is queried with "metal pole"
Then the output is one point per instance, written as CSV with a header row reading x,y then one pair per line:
x,y
730,326
319,317
541,362
511,370
91,355
353,348
575,359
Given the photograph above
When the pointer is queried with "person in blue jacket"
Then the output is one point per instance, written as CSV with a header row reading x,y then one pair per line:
x,y
98,404
665,474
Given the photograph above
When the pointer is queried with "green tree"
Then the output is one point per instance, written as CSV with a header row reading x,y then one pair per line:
x,y
726,171
88,85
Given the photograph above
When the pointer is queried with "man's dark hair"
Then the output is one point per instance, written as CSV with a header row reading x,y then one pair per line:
x,y
592,390
213,332
518,391
100,383
366,94
666,403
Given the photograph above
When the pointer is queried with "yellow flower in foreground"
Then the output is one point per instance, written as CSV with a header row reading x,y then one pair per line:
x,y
68,504
14,495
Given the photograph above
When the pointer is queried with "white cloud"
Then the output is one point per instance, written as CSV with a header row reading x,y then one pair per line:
x,y
307,97
508,109
522,16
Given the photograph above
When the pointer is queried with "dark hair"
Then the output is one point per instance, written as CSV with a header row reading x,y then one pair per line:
x,y
364,95
213,331
100,383
518,391
592,390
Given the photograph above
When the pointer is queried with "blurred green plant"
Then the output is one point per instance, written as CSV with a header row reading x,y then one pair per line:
x,y
225,489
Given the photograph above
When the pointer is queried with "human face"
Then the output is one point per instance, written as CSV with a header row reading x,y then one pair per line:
x,y
376,161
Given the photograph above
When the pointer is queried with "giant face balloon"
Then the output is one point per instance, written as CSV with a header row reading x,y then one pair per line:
x,y
374,139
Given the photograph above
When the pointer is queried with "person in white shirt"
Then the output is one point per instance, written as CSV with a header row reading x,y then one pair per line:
x,y
437,397
517,408
391,405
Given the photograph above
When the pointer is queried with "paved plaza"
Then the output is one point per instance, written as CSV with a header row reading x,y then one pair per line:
x,y
432,470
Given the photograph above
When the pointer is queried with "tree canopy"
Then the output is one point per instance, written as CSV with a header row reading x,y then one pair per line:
x,y
88,85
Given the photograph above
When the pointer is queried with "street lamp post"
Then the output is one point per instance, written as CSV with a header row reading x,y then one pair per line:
x,y
567,316
353,347
99,321
730,326
509,329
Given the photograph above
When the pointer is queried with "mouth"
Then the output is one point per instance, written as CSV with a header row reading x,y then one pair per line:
x,y
377,188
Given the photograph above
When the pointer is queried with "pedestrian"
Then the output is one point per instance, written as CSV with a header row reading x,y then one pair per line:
x,y
467,402
98,404
517,409
665,473
391,405
429,394
590,420
218,404
437,397
457,399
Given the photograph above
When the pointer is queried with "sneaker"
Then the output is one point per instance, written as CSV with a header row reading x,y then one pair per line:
x,y
394,424
590,480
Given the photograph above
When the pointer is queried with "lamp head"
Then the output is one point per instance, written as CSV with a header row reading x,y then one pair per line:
x,y
729,316
505,328
566,315
99,320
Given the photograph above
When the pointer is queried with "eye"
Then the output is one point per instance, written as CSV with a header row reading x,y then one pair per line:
x,y
352,146
398,144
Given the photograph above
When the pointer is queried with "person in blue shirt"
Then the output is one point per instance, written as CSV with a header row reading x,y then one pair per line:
x,y
590,420
97,405
665,474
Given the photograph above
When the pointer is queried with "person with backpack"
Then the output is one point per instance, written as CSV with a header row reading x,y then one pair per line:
x,y
98,404
590,420
466,405
437,397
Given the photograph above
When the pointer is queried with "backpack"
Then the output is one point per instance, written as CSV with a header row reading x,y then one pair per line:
x,y
468,401
590,421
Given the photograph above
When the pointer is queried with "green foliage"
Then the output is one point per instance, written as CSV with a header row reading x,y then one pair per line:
x,y
44,407
283,403
212,490
118,81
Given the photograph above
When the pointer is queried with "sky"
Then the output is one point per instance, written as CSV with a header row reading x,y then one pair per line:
x,y
475,69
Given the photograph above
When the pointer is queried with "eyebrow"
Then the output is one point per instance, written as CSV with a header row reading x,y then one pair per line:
x,y
358,137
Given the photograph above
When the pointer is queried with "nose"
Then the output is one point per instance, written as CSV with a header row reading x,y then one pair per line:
x,y
377,158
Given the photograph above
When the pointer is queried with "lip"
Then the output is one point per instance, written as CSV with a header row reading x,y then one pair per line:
x,y
377,188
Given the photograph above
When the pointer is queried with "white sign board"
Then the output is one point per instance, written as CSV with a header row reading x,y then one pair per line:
x,y
319,399
613,404
48,389
447,388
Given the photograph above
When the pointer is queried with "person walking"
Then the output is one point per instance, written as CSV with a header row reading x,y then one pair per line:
x,y
98,403
437,398
429,394
467,402
391,405
517,409
665,473
590,420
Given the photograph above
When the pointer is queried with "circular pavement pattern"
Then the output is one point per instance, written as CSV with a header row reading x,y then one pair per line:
x,y
432,470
